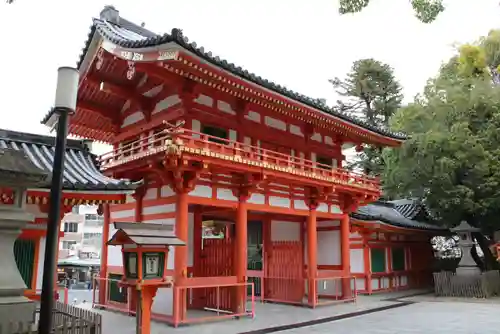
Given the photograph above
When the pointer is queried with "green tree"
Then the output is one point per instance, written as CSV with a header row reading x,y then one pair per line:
x,y
451,160
369,92
425,10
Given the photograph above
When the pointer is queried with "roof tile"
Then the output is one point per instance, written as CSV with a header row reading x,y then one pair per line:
x,y
121,35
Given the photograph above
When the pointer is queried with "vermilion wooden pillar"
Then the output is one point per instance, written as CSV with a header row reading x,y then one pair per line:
x,y
103,273
139,196
180,257
241,252
367,262
312,257
345,255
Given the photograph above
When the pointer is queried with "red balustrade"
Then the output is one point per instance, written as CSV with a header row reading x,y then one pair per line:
x,y
194,142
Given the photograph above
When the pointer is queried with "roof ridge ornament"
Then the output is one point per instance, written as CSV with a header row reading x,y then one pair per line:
x,y
110,14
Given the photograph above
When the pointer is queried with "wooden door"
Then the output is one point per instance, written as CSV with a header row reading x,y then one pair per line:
x,y
284,280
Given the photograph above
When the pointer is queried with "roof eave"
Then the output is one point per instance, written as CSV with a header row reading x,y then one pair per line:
x,y
177,40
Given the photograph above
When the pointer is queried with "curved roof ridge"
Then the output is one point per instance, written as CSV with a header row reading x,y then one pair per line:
x,y
390,215
176,36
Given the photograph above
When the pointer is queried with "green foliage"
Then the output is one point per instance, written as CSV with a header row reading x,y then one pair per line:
x,y
452,158
352,6
369,92
472,61
425,10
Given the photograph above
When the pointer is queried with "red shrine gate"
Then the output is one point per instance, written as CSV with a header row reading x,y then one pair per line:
x,y
243,149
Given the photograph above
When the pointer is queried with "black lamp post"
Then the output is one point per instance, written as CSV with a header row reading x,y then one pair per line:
x,y
65,104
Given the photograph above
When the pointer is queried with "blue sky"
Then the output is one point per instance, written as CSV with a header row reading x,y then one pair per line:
x,y
299,44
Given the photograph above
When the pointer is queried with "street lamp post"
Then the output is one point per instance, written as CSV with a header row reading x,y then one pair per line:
x,y
65,104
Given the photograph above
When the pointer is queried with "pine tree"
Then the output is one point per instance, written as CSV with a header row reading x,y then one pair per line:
x,y
369,92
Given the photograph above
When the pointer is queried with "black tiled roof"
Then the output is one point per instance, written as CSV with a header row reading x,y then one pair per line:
x,y
413,208
387,213
80,171
129,35
17,168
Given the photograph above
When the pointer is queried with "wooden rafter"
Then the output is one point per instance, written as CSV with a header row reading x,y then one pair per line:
x,y
112,116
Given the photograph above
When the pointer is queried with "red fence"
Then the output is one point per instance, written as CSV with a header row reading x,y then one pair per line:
x,y
284,272
216,306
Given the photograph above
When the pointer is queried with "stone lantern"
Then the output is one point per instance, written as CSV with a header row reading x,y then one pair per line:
x,y
467,265
17,174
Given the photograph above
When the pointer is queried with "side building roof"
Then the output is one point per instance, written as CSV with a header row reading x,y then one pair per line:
x,y
387,213
81,170
127,35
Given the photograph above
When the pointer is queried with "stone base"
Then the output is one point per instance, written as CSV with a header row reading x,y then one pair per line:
x,y
16,309
468,271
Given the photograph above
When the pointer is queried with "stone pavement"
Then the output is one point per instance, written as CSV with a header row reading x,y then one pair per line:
x,y
423,317
419,314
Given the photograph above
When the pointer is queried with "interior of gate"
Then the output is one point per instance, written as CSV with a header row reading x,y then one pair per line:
x,y
275,262
213,257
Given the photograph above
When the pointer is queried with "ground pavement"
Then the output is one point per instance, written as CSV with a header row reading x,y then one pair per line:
x,y
379,314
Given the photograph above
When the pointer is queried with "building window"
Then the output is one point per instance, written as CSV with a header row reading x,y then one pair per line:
x,y
68,244
378,260
324,162
88,235
216,133
71,227
93,216
398,259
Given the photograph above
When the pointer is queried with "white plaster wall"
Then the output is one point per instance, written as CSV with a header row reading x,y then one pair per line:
x,y
257,199
384,283
117,215
166,103
41,257
166,191
279,201
275,123
151,193
360,284
225,107
335,209
157,209
329,248
375,284
253,116
330,287
204,100
226,194
133,118
190,241
196,127
114,252
323,207
233,135
163,301
201,191
285,231
357,261
328,223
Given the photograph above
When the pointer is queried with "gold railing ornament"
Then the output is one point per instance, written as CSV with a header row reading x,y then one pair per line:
x,y
173,142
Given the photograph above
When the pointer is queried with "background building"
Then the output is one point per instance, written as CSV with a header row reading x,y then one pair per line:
x,y
82,233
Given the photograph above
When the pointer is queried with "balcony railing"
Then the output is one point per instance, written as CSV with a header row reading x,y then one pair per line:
x,y
196,143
